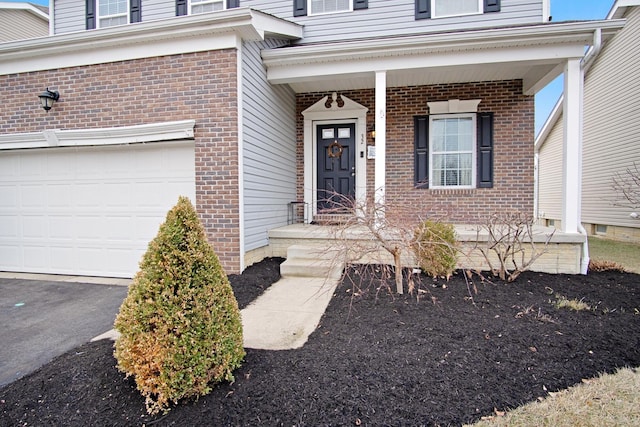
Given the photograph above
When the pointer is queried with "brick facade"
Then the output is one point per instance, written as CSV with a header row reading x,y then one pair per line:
x,y
513,183
200,86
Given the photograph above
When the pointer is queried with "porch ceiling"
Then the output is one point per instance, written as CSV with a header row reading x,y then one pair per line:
x,y
536,54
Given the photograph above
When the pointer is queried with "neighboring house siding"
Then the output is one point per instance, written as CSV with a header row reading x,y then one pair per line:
x,y
550,175
200,86
16,24
269,155
69,16
612,124
513,149
381,18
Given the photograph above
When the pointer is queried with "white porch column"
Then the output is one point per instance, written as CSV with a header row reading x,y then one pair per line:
x,y
381,140
572,147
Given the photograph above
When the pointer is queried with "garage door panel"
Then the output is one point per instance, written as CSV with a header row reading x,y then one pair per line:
x,y
94,209
9,227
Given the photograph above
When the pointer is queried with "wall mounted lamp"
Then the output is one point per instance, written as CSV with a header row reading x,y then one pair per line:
x,y
372,132
47,98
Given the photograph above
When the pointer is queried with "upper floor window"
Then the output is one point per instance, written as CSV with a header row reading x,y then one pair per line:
x,y
427,9
319,7
443,8
202,6
113,12
329,6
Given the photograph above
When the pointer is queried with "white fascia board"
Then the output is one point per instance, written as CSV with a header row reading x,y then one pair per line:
x,y
24,6
533,55
546,35
193,33
153,132
620,7
551,121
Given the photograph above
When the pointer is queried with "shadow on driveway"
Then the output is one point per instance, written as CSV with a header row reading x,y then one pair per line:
x,y
43,319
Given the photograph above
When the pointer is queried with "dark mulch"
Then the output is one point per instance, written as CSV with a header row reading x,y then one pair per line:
x,y
376,359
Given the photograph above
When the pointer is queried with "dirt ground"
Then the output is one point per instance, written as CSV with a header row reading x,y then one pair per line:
x,y
444,355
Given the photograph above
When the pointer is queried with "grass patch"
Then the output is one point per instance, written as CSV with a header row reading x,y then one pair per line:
x,y
609,400
625,254
571,304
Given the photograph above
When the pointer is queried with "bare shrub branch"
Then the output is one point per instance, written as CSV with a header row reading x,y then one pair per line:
x,y
626,185
509,248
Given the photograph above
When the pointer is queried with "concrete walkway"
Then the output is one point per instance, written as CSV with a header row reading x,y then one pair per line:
x,y
287,313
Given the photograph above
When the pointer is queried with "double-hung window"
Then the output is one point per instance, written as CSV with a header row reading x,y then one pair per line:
x,y
453,150
329,6
443,8
452,147
113,12
202,6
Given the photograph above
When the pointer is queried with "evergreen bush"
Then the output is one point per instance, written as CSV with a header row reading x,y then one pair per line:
x,y
180,327
435,248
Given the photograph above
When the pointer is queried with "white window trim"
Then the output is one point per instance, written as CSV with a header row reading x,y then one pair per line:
x,y
474,150
436,16
224,5
310,10
99,17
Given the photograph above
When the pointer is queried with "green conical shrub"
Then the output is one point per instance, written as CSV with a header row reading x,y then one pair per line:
x,y
180,327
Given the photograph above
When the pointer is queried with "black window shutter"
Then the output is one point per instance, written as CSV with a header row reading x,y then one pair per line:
x,y
233,4
485,150
421,151
181,7
299,7
423,9
91,14
491,6
360,4
135,10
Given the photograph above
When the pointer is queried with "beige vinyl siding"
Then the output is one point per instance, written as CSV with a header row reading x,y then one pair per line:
x,y
16,24
69,16
612,124
550,175
269,147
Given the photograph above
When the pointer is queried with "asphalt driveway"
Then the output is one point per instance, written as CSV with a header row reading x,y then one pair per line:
x,y
41,319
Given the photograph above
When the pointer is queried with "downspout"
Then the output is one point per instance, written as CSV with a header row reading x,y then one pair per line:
x,y
588,60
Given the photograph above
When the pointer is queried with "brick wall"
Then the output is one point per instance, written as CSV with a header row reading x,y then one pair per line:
x,y
200,86
513,149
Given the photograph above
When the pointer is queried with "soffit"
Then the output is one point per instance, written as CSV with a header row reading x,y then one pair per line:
x,y
532,53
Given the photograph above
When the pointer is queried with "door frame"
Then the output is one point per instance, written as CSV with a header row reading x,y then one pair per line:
x,y
319,114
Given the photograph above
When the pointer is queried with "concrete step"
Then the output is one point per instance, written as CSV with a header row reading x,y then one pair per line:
x,y
311,268
313,252
312,261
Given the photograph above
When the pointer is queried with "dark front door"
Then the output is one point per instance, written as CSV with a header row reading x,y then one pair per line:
x,y
336,165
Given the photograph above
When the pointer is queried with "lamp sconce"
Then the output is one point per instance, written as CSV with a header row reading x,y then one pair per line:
x,y
372,133
48,98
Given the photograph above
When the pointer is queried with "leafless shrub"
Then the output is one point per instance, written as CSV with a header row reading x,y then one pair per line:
x,y
381,237
509,248
626,185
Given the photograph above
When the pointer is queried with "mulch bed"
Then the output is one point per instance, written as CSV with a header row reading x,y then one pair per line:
x,y
448,357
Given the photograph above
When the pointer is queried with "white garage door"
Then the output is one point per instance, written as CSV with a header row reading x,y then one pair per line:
x,y
88,210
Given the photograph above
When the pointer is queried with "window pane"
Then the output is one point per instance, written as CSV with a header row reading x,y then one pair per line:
x,y
112,7
452,147
455,7
326,6
110,22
